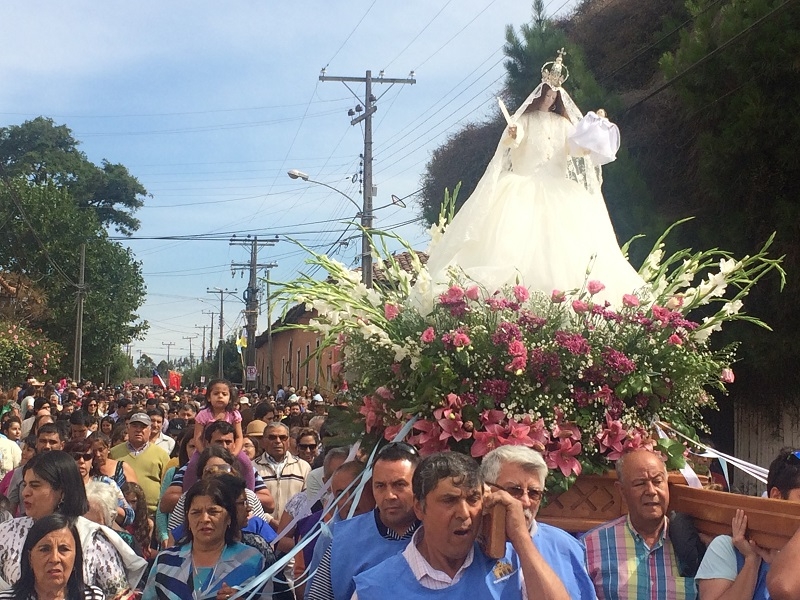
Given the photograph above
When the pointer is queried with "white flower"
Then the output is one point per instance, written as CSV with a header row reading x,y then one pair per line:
x,y
652,263
732,308
729,265
400,352
712,287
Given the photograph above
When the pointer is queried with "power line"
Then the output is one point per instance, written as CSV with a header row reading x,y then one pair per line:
x,y
459,32
349,35
708,56
168,114
416,37
657,42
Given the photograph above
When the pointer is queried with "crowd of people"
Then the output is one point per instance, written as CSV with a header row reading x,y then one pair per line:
x,y
163,494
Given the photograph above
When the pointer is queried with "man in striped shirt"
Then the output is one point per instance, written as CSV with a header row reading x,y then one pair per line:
x,y
633,558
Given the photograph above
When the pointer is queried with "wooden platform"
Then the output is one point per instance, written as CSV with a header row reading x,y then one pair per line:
x,y
594,499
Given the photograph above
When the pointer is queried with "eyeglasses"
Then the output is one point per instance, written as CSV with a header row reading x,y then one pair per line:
x,y
218,469
518,492
793,458
76,456
400,446
307,446
274,438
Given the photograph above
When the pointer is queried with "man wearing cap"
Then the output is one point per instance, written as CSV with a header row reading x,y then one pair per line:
x,y
245,410
147,460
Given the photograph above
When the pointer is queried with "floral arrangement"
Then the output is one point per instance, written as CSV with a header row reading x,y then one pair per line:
x,y
565,374
24,353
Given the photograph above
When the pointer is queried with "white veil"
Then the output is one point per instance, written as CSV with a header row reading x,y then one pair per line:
x,y
580,168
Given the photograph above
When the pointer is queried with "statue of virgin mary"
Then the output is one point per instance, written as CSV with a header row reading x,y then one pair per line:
x,y
537,217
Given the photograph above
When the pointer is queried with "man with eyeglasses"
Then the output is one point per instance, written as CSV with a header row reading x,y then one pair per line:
x,y
365,541
521,472
283,473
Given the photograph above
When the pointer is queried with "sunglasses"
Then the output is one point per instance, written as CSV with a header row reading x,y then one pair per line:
x,y
794,458
518,492
274,438
218,469
76,456
307,446
400,446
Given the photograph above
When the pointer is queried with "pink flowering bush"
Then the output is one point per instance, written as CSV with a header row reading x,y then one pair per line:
x,y
577,379
25,353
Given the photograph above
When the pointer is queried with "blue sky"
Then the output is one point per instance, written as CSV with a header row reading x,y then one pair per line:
x,y
210,103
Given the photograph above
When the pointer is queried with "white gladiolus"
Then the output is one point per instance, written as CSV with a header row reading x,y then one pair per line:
x,y
729,265
732,308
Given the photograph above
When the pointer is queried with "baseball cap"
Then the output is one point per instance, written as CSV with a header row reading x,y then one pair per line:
x,y
140,417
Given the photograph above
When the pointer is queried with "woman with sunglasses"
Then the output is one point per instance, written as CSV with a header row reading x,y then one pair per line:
x,y
81,452
214,461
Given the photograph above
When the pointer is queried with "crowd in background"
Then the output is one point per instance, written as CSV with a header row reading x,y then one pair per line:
x,y
175,494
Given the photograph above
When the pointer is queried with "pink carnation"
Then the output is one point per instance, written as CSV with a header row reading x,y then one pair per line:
x,y
390,311
521,293
472,292
557,297
428,335
727,375
595,287
630,300
675,340
579,306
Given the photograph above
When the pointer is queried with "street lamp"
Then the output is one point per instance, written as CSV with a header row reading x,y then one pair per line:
x,y
366,225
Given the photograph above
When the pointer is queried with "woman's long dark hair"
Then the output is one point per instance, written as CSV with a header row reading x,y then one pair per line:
x,y
558,106
141,522
59,470
26,585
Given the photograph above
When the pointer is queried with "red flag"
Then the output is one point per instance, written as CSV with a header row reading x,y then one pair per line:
x,y
175,380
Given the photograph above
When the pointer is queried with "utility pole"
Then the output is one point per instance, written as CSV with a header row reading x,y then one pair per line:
x,y
76,365
191,357
168,344
221,322
270,376
369,109
202,360
250,295
210,336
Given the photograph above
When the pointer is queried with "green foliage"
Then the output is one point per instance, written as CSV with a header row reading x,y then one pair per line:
x,y
46,153
44,246
24,353
741,105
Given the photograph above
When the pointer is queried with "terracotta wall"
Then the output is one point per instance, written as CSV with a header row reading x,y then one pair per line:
x,y
290,353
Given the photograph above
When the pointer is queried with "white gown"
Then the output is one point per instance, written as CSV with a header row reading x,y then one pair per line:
x,y
529,223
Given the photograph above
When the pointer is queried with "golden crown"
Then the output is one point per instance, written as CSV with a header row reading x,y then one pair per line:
x,y
555,72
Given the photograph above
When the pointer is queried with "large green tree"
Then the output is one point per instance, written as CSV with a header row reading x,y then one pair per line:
x,y
736,76
42,235
46,153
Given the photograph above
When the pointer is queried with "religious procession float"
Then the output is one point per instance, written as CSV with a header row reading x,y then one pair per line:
x,y
524,323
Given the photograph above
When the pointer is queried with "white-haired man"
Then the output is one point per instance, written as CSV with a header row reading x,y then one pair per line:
x,y
521,472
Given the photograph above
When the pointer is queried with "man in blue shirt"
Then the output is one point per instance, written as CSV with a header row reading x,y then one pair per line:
x,y
521,472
